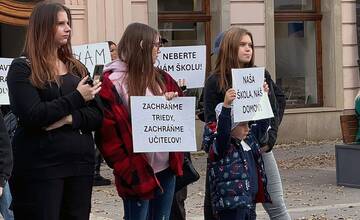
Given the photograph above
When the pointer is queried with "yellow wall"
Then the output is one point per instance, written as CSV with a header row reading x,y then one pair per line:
x,y
102,20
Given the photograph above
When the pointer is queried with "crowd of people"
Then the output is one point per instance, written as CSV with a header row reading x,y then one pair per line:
x,y
59,108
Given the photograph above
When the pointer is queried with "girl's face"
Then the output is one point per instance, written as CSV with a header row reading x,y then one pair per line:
x,y
63,29
245,50
113,52
241,130
156,48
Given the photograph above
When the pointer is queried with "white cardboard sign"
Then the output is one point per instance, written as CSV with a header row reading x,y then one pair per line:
x,y
251,102
4,92
89,54
188,62
92,54
159,125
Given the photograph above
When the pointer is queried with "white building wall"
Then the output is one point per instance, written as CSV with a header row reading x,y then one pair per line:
x,y
350,53
251,15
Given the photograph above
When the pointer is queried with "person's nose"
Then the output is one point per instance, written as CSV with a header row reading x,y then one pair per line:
x,y
67,28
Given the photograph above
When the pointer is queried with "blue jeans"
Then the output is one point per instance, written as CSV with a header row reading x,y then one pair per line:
x,y
5,201
277,209
158,208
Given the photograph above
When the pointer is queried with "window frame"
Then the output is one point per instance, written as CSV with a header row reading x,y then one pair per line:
x,y
193,16
316,17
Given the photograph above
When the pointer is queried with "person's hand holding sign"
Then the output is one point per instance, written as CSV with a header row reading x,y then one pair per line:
x,y
266,87
230,95
170,95
182,85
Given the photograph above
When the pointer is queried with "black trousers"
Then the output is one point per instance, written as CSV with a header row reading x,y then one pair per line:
x,y
66,198
208,211
178,206
98,160
178,211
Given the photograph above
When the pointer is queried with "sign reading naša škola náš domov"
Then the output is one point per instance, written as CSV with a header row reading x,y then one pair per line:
x,y
159,125
251,102
187,63
4,68
89,54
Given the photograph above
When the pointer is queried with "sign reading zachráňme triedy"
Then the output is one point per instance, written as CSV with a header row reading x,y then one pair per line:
x,y
159,125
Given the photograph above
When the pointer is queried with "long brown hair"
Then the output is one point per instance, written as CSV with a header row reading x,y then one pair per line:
x,y
135,49
228,57
40,45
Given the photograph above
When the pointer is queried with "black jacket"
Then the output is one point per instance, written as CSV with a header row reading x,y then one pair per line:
x,y
278,101
6,160
65,151
213,96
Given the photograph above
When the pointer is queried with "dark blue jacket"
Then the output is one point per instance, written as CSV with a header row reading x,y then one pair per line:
x,y
229,168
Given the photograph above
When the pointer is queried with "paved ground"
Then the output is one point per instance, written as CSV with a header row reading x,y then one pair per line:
x,y
309,180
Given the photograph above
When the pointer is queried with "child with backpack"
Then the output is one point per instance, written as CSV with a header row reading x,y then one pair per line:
x,y
236,170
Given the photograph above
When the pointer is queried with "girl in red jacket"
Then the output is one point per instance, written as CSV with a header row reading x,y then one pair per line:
x,y
145,181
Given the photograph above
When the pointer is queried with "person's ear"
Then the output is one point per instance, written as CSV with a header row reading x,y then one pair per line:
x,y
141,44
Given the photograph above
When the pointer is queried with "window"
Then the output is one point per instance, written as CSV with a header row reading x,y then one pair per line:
x,y
180,6
298,51
185,23
12,40
14,16
294,5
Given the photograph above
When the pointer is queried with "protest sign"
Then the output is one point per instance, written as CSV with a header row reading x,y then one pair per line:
x,y
92,54
251,102
187,63
159,125
4,92
89,54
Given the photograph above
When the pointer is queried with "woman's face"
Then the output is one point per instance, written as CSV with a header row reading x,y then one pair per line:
x,y
156,48
245,50
63,30
113,52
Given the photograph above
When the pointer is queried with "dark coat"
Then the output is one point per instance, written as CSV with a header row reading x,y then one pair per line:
x,y
65,151
6,159
230,177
